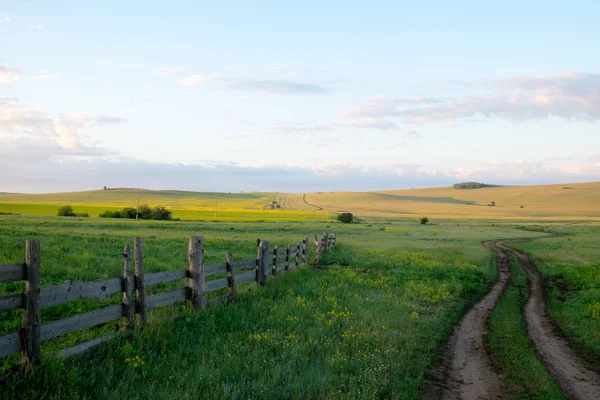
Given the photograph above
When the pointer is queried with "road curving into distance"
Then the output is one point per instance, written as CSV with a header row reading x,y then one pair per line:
x,y
466,371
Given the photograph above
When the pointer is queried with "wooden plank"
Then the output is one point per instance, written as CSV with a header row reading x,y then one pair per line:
x,y
128,303
196,290
84,347
280,269
231,275
246,277
215,269
217,284
140,289
244,264
270,252
32,316
12,302
9,344
69,291
305,251
12,272
298,255
81,321
165,277
166,298
274,265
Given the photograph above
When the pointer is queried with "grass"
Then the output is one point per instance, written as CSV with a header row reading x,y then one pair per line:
x,y
522,375
571,266
368,326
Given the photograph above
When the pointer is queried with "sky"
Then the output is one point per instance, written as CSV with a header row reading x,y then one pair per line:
x,y
297,96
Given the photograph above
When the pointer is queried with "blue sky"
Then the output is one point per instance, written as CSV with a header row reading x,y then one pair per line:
x,y
234,96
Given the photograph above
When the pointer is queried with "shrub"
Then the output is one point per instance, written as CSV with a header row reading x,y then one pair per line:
x,y
469,185
492,204
145,212
66,211
424,220
82,215
345,218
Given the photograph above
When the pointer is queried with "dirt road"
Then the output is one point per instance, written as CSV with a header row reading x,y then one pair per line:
x,y
465,371
575,379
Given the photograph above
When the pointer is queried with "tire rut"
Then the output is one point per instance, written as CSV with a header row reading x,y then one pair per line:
x,y
466,370
575,379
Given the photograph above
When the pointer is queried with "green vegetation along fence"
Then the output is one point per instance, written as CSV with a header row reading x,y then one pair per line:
x,y
268,263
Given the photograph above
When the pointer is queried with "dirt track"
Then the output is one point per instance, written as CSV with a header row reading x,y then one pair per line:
x,y
465,371
575,379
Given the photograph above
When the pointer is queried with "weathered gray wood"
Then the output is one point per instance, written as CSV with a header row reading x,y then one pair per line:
x,y
196,287
263,261
280,269
274,266
244,264
165,277
305,251
9,344
81,321
231,275
217,284
128,303
246,277
215,269
69,291
271,251
140,289
12,272
12,302
298,254
287,258
166,298
84,347
32,316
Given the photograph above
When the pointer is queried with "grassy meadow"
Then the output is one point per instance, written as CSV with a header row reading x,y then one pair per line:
x,y
365,325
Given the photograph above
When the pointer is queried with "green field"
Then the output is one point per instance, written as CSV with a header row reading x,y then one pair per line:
x,y
366,325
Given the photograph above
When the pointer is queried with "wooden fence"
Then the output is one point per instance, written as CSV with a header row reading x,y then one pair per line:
x,y
268,263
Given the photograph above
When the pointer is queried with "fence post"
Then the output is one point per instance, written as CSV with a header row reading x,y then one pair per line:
x,y
298,255
263,261
231,276
305,251
287,258
140,290
274,267
32,317
333,240
128,304
196,288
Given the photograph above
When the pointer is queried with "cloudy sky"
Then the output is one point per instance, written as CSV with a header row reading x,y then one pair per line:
x,y
230,96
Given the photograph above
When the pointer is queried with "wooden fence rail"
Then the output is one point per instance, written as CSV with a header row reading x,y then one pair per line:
x,y
269,262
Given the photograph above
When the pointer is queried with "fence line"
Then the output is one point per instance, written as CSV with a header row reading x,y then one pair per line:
x,y
269,262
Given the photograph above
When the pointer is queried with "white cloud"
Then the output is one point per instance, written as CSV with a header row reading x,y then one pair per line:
x,y
276,87
574,96
8,75
197,79
36,27
44,75
167,70
4,18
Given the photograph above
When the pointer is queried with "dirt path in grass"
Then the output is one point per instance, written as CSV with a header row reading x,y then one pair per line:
x,y
575,378
465,371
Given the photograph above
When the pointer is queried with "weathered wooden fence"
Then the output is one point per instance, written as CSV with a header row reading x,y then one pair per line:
x,y
268,263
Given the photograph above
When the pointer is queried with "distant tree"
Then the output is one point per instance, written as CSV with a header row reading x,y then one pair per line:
x,y
424,220
82,215
145,211
469,185
345,218
492,204
160,213
128,212
105,188
66,211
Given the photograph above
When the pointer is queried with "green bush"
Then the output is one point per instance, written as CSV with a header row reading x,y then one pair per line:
x,y
424,220
66,211
345,218
158,213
